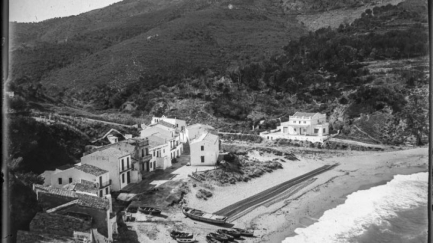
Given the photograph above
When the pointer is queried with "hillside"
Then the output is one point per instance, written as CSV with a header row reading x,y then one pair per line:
x,y
229,63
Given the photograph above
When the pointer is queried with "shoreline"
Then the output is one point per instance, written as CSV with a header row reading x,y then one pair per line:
x,y
298,207
312,205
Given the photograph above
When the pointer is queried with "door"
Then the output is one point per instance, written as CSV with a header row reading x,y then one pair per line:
x,y
128,177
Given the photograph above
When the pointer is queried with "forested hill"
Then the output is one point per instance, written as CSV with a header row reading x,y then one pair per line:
x,y
240,60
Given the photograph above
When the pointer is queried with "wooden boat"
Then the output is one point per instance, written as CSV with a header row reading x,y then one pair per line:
x,y
233,233
212,240
218,237
244,232
149,210
180,235
229,237
203,216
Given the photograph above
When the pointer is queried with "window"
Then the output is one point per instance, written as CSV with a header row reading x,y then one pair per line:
x,y
60,181
123,165
147,151
123,178
153,153
127,164
285,130
305,122
316,130
142,153
324,130
202,159
70,179
299,122
202,148
294,129
106,190
163,150
127,160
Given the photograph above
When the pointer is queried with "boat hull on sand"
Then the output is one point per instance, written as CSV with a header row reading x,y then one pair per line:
x,y
203,216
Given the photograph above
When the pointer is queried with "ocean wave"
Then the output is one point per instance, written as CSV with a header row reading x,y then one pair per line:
x,y
365,208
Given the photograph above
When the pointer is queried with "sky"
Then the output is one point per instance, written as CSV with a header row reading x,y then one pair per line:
x,y
38,10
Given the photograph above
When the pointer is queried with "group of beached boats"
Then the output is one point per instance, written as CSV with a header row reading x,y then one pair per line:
x,y
221,235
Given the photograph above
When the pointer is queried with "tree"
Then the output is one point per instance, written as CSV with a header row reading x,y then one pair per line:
x,y
415,114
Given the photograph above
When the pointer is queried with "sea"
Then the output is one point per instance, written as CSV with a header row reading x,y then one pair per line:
x,y
395,212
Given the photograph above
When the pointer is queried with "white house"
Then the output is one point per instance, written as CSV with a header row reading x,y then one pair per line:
x,y
301,126
180,125
171,135
205,149
195,130
160,151
82,178
138,148
118,163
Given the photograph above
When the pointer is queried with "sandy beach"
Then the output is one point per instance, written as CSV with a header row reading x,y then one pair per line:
x,y
297,208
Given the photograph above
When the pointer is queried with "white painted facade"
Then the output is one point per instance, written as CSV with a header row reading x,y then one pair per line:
x,y
205,149
303,127
178,124
60,178
116,162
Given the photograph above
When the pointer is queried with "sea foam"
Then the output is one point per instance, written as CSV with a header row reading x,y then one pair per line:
x,y
365,208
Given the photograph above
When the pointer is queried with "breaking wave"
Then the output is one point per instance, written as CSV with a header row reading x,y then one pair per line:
x,y
395,212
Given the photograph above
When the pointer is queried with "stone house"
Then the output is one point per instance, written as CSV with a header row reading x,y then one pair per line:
x,y
65,202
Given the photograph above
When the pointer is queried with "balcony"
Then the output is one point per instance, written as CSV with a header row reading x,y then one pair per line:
x,y
105,184
125,169
145,158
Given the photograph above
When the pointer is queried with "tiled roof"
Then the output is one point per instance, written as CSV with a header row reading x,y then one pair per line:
x,y
156,131
164,123
109,152
83,186
156,140
211,137
83,199
206,137
55,191
304,114
90,169
53,223
93,201
34,237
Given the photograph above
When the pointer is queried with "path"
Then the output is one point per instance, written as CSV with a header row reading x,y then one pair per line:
x,y
238,209
45,120
346,141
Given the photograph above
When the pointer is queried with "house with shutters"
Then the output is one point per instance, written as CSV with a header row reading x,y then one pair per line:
x,y
117,162
161,152
82,178
138,148
61,209
170,135
205,149
302,126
